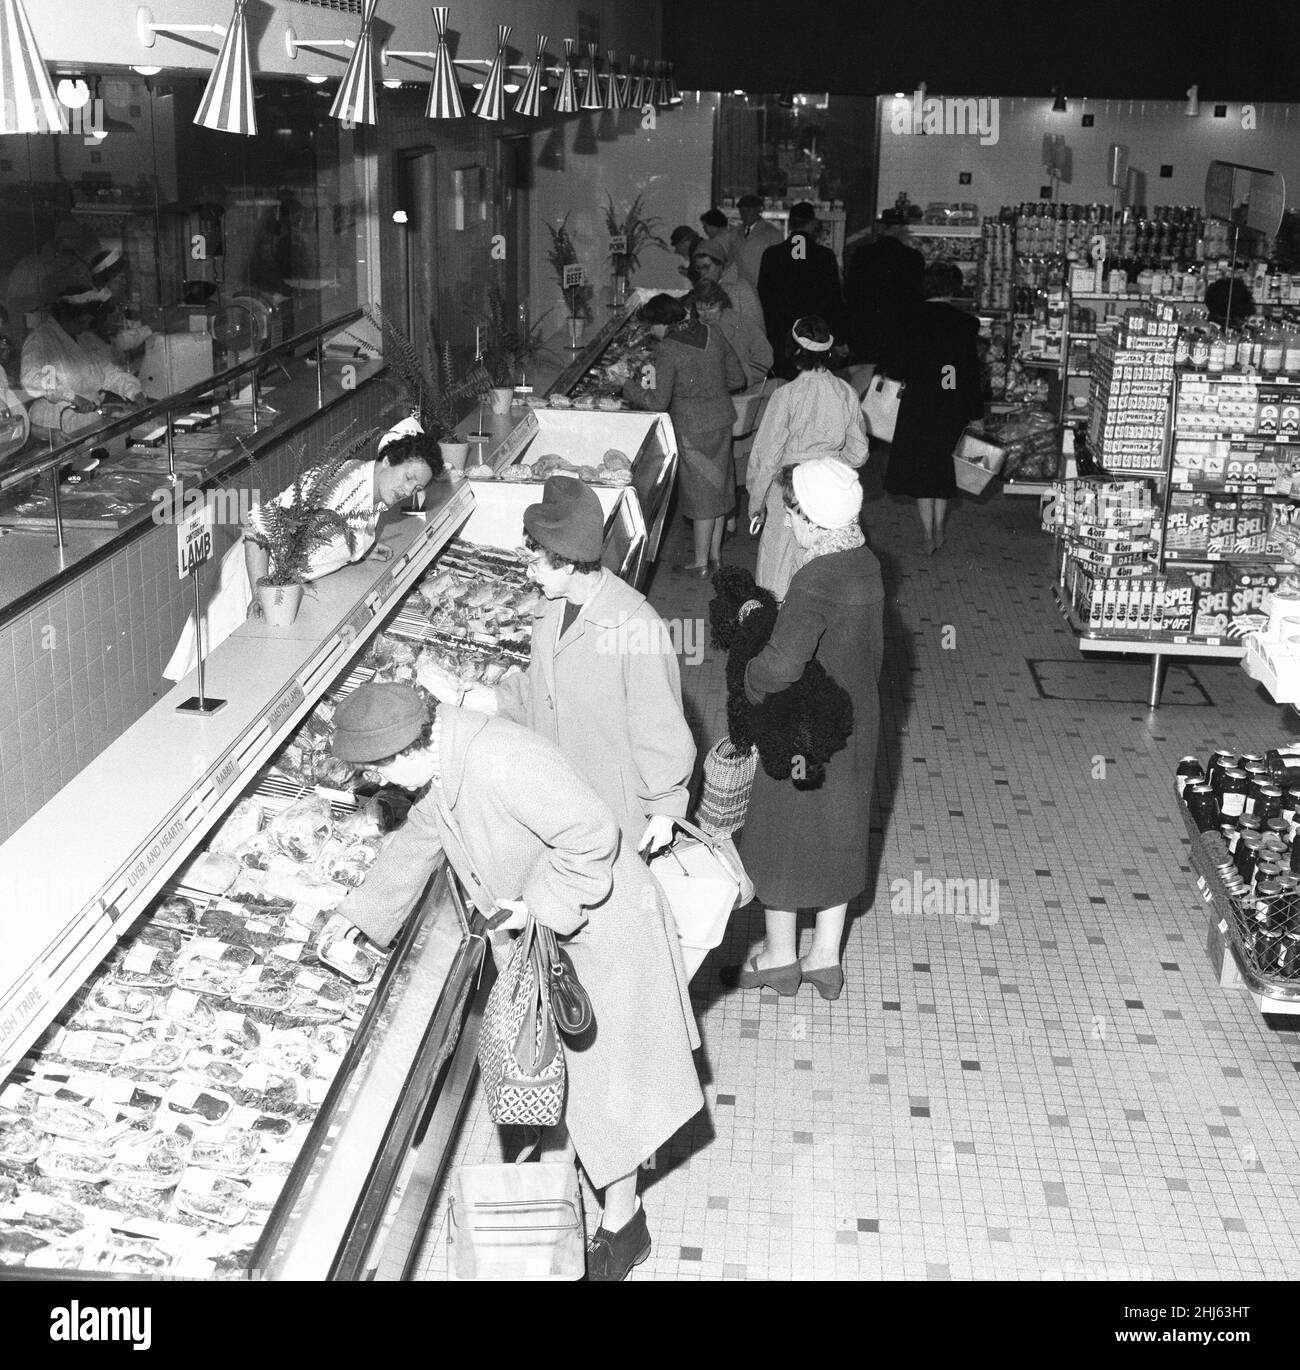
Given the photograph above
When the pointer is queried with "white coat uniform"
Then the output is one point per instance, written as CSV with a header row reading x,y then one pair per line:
x,y
56,368
229,593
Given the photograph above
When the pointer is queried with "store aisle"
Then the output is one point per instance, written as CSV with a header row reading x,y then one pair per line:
x,y
1058,1090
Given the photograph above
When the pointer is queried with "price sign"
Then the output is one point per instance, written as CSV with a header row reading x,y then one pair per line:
x,y
618,244
574,276
193,542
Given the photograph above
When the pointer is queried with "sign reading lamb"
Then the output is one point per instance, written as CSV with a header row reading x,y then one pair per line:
x,y
959,115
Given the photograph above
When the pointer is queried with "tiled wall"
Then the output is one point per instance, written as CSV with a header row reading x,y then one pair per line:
x,y
81,667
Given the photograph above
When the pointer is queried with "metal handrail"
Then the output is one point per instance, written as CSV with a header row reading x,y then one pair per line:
x,y
37,466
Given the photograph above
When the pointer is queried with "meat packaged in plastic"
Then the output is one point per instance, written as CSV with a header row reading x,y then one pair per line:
x,y
241,823
303,828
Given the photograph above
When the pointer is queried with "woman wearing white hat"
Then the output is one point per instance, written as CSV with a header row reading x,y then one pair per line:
x,y
809,848
406,460
814,415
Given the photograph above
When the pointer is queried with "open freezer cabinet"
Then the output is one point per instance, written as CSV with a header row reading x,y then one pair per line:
x,y
584,439
204,1072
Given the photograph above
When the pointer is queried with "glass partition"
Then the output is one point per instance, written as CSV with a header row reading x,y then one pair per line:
x,y
140,257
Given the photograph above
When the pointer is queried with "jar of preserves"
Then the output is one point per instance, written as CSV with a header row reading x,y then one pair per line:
x,y
1215,359
1233,789
1219,762
1267,802
1200,350
1246,855
1203,807
1188,771
1271,352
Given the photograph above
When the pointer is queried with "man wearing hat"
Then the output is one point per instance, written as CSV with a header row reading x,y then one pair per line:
x,y
711,264
796,278
603,682
754,236
527,835
717,229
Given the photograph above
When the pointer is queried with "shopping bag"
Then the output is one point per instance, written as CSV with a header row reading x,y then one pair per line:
x,y
516,1222
703,879
519,1052
880,407
728,782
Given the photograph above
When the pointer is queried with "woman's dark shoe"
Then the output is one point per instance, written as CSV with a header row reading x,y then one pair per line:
x,y
715,566
610,1255
829,982
689,569
784,979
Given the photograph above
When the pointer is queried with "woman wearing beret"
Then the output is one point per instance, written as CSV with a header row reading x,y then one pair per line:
x,y
693,375
809,848
524,831
814,415
603,682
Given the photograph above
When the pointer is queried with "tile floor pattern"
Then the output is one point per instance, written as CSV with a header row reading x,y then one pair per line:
x,y
1062,1092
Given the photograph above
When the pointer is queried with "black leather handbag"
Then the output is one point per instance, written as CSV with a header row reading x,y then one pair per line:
x,y
569,1001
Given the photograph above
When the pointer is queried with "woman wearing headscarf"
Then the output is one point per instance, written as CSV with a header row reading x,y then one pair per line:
x,y
748,338
808,848
815,415
693,376
525,833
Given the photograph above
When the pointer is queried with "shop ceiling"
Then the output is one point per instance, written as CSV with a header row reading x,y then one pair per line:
x,y
1100,49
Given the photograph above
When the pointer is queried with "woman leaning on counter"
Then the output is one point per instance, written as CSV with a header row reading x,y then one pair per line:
x,y
405,460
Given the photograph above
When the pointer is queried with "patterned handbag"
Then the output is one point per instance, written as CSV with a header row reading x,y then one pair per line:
x,y
519,1051
728,780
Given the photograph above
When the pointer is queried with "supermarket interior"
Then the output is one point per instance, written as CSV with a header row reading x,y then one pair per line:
x,y
708,603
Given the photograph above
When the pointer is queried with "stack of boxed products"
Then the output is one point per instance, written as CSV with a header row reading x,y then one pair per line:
x,y
1132,377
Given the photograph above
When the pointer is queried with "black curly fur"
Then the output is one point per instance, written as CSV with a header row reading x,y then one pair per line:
x,y
811,718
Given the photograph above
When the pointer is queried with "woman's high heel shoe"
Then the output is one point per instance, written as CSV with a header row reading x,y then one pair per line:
x,y
688,569
829,982
784,979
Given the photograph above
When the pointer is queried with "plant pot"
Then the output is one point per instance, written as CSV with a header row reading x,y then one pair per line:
x,y
280,603
502,396
454,455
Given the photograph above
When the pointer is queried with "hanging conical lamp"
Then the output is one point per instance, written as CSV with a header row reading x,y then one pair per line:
x,y
636,95
674,98
627,84
354,102
227,104
28,103
613,95
529,103
491,103
660,95
591,85
444,100
566,98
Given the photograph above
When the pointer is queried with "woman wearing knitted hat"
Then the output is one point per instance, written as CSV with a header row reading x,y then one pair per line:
x,y
809,848
815,415
525,833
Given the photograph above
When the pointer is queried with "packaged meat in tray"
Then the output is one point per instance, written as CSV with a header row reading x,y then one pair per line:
x,y
143,966
123,1001
347,863
241,823
205,1194
92,1048
270,991
176,911
157,1154
20,1141
366,822
205,1067
138,1256
303,828
68,1163
338,947
210,873
194,1104
230,1155
136,1195
159,1045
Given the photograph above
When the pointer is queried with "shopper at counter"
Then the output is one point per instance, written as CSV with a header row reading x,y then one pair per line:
x,y
69,382
684,241
937,358
406,460
815,415
693,375
747,337
799,277
524,831
710,264
809,848
717,229
603,682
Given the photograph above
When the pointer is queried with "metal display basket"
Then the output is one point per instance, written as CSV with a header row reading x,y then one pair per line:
x,y
976,461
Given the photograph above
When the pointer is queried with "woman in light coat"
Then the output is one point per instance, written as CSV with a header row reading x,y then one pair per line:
x,y
815,415
523,831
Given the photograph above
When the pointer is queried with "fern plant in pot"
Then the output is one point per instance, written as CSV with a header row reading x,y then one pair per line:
x,y
308,517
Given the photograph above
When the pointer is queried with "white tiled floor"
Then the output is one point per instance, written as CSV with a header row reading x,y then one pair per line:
x,y
1065,1091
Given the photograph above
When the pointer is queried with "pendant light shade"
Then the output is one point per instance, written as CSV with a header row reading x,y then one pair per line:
x,y
444,93
613,94
591,85
627,84
641,85
28,103
491,102
659,87
566,98
673,97
529,103
354,102
227,104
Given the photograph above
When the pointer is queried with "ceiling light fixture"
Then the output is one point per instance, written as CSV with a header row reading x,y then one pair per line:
x,y
73,92
355,101
227,103
1058,104
491,104
529,103
146,71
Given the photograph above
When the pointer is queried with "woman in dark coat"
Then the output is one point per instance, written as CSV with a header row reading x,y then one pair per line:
x,y
937,358
882,287
693,375
809,848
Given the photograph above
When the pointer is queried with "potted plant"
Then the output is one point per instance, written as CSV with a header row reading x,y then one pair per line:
x,y
631,235
506,348
304,522
439,401
562,254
